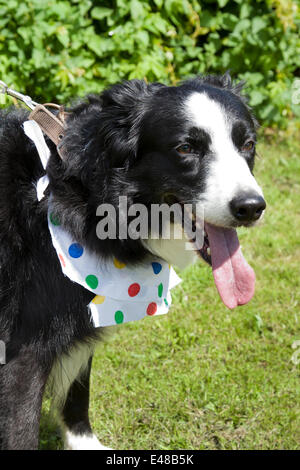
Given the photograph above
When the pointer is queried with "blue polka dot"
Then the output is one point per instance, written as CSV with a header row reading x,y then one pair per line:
x,y
157,267
75,250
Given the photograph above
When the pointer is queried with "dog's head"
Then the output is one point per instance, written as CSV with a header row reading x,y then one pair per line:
x,y
193,143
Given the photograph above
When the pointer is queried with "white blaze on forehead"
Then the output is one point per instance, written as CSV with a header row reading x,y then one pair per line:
x,y
208,115
228,174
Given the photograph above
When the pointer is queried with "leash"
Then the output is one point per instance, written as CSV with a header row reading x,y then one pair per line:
x,y
53,126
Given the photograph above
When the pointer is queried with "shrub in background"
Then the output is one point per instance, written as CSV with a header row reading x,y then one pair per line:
x,y
54,50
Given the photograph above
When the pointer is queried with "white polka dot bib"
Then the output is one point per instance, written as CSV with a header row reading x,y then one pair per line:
x,y
122,293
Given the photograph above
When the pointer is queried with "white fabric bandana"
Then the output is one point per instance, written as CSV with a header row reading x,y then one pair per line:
x,y
122,293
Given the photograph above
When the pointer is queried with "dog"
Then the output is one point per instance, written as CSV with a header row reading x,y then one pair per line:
x,y
154,144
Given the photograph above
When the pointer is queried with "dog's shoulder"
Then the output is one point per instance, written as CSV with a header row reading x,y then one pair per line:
x,y
18,155
20,168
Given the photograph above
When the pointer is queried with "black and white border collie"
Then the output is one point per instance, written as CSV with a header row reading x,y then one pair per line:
x,y
152,143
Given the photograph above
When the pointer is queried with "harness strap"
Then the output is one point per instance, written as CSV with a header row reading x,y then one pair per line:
x,y
53,126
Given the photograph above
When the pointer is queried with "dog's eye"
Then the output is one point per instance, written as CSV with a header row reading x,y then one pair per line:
x,y
184,149
248,146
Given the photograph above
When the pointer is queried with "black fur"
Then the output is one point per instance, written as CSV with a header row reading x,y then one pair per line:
x,y
119,143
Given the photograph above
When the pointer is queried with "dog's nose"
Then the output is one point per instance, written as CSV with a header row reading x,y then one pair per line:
x,y
247,208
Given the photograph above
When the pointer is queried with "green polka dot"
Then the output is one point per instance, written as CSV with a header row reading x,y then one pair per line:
x,y
54,220
91,281
166,302
160,290
119,317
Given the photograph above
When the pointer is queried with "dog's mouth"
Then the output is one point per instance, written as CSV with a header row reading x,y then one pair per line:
x,y
234,278
204,252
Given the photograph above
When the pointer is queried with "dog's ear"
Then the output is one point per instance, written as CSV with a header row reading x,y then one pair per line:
x,y
226,80
222,81
103,130
123,107
234,87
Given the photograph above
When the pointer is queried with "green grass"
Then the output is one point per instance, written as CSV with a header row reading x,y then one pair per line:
x,y
204,377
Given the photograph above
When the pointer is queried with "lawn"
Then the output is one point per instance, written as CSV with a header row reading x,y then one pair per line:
x,y
204,377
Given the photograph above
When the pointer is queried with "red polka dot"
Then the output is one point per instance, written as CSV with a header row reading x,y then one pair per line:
x,y
151,309
62,260
134,289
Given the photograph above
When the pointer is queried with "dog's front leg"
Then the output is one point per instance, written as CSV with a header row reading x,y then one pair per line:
x,y
22,382
78,434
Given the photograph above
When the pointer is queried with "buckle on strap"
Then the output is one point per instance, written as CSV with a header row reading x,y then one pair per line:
x,y
15,94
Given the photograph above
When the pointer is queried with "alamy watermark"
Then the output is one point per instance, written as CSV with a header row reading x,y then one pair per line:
x,y
296,355
296,91
159,221
2,352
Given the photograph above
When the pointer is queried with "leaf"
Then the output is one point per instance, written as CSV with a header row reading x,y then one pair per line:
x,y
246,10
242,25
222,3
137,9
101,12
38,58
142,37
25,33
256,97
258,23
100,45
228,21
63,36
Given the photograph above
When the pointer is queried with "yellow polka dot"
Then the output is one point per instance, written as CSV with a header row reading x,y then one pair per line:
x,y
99,299
118,264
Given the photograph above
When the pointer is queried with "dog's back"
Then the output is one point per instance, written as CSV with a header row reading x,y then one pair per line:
x,y
19,169
42,313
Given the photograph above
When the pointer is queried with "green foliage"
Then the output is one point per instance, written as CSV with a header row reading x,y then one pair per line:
x,y
55,49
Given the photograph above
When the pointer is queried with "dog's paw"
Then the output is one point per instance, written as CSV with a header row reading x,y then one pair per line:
x,y
82,442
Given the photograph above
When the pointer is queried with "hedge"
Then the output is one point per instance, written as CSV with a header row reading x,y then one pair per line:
x,y
54,50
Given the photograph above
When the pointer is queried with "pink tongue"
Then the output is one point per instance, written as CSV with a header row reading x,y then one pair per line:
x,y
234,278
